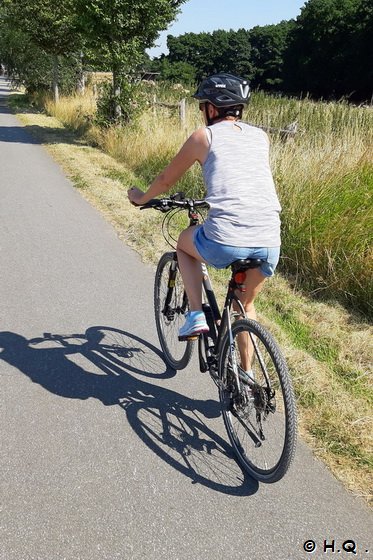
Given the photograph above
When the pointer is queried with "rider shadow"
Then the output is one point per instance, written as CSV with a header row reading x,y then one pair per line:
x,y
173,426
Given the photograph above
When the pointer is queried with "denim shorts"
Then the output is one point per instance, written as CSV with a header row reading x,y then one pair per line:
x,y
221,256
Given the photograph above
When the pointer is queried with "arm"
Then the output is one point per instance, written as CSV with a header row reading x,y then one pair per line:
x,y
194,149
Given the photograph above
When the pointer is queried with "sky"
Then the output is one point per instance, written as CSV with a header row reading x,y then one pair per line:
x,y
197,16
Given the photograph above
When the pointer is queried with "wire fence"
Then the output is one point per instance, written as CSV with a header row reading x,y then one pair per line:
x,y
287,133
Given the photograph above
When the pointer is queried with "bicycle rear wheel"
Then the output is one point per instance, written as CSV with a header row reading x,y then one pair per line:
x,y
170,306
260,415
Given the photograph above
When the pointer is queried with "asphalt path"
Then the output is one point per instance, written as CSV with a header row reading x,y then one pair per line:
x,y
105,453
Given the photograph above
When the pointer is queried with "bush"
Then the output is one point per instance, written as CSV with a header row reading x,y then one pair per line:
x,y
131,101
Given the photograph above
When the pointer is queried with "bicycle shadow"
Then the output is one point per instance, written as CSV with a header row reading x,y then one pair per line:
x,y
109,365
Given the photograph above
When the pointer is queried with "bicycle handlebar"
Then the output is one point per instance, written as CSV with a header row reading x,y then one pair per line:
x,y
176,200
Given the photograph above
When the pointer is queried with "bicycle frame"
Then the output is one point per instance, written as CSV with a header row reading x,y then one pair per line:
x,y
219,324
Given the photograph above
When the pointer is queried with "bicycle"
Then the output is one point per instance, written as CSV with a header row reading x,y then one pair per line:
x,y
259,410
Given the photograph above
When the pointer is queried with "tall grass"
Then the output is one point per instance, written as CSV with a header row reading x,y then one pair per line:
x,y
75,112
324,178
325,182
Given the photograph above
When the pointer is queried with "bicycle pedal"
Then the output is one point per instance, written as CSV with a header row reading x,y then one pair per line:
x,y
186,338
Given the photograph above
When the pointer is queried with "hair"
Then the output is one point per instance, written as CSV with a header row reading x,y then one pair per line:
x,y
223,112
232,111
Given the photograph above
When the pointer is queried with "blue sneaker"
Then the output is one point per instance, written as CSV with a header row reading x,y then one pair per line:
x,y
195,324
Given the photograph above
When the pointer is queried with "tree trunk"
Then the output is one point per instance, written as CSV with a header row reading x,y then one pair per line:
x,y
80,84
55,79
116,90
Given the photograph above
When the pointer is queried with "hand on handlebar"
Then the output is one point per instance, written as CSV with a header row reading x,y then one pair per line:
x,y
135,195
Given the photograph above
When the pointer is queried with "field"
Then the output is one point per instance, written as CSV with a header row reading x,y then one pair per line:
x,y
319,305
324,178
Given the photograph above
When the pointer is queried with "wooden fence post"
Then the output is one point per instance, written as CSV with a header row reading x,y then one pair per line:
x,y
182,111
181,106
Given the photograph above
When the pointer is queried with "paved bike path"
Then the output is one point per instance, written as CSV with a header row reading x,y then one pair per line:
x,y
104,452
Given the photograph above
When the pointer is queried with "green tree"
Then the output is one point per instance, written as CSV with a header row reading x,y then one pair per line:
x,y
193,48
359,61
220,51
268,45
330,51
26,63
240,54
48,25
231,52
176,72
121,30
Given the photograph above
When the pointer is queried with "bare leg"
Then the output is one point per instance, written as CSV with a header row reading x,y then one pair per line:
x,y
190,267
254,283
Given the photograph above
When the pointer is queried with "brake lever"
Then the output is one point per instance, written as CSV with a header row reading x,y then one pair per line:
x,y
178,196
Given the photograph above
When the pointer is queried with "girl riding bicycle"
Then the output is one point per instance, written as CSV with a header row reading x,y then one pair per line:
x,y
243,219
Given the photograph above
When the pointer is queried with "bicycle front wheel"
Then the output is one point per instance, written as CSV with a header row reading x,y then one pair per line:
x,y
260,413
170,307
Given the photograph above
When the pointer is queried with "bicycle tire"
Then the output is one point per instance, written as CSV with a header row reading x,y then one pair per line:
x,y
168,322
262,428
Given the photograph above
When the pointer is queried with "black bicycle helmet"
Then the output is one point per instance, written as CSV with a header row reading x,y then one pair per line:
x,y
223,90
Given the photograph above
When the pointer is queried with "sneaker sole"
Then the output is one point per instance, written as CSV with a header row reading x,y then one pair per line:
x,y
194,335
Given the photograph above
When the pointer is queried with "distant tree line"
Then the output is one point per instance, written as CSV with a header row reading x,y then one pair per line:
x,y
327,51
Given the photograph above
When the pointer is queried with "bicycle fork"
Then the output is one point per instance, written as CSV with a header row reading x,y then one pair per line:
x,y
171,286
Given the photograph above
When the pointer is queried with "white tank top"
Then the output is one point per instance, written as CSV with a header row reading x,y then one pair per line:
x,y
244,207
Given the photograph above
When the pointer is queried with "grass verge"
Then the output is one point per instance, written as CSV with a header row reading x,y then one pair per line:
x,y
327,347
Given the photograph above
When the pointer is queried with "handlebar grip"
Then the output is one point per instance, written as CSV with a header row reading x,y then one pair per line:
x,y
153,203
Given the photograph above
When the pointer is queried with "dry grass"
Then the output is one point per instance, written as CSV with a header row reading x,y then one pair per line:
x,y
75,112
329,352
328,349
